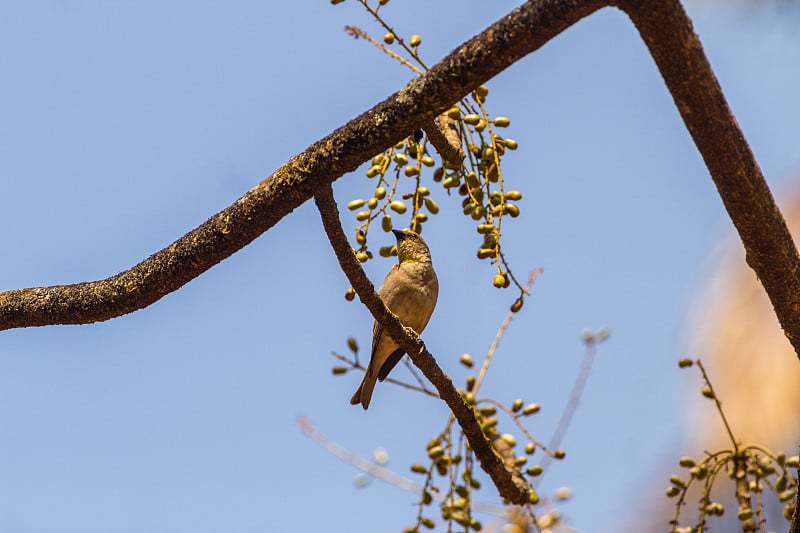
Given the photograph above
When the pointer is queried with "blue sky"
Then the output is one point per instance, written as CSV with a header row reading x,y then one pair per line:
x,y
124,125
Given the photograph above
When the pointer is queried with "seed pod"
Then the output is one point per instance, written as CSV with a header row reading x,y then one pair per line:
x,y
480,126
470,381
699,472
419,469
380,193
471,119
451,181
398,207
361,216
373,171
519,461
428,161
509,439
361,257
530,448
501,122
481,91
531,408
388,38
400,159
686,462
485,228
411,170
533,497
438,174
535,470
512,210
427,522
486,253
400,145
511,144
488,410
517,305
685,362
352,343
338,370
499,281
454,113
426,498
372,203
488,153
350,294
472,180
559,454
673,491
415,40
677,481
361,238
513,195
385,251
466,360
386,223
436,452
421,218
423,191
707,392
355,204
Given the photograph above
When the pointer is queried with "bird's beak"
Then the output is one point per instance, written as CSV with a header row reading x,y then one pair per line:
x,y
399,235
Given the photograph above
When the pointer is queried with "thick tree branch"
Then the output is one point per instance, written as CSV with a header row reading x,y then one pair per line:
x,y
511,487
473,63
676,49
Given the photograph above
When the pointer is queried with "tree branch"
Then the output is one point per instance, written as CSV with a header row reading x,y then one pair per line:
x,y
511,487
676,49
522,31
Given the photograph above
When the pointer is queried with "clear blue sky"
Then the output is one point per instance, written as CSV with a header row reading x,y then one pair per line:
x,y
124,125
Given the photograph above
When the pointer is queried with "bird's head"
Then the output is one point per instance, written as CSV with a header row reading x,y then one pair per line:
x,y
411,247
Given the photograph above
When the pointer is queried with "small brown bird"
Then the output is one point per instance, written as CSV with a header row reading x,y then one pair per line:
x,y
409,290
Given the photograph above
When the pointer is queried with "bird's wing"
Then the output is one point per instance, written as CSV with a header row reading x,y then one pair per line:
x,y
390,363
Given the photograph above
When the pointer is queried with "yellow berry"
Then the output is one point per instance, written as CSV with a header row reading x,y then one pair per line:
x,y
355,204
398,207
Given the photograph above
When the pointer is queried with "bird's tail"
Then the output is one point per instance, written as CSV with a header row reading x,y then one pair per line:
x,y
363,394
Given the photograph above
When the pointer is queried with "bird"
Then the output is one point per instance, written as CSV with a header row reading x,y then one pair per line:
x,y
410,291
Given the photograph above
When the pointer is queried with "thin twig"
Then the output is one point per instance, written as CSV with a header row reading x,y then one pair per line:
x,y
421,388
736,444
500,332
572,403
381,472
359,33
